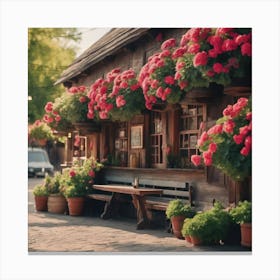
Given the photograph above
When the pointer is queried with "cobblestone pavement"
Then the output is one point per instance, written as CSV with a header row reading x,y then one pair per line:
x,y
51,233
63,233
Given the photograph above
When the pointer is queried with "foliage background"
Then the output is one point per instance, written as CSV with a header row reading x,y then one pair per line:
x,y
50,52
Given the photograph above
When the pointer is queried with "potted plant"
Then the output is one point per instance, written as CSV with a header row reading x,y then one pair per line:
x,y
57,203
39,132
208,227
70,109
76,183
177,212
40,193
185,230
157,78
242,214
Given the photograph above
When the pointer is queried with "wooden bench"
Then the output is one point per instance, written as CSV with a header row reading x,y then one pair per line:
x,y
171,190
99,195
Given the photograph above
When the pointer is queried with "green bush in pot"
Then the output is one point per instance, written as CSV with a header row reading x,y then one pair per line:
x,y
242,214
177,211
56,203
41,193
40,190
185,229
209,227
178,208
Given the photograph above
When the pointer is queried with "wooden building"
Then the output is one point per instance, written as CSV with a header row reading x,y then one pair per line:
x,y
157,144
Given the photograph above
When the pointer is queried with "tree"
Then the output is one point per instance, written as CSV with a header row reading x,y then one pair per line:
x,y
50,51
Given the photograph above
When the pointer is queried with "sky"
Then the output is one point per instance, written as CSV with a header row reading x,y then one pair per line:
x,y
89,36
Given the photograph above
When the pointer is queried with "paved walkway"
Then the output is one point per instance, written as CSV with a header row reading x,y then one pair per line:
x,y
63,233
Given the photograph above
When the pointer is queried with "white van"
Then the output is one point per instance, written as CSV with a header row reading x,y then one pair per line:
x,y
39,163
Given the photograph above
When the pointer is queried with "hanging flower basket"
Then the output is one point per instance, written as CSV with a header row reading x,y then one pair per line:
x,y
42,142
217,55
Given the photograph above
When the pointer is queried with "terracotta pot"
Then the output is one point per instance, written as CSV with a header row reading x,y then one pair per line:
x,y
42,142
75,205
188,238
195,240
57,204
41,203
246,234
177,224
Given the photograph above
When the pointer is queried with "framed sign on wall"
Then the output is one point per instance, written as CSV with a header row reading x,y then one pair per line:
x,y
136,141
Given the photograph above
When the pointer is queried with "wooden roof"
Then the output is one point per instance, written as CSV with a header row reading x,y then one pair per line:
x,y
107,45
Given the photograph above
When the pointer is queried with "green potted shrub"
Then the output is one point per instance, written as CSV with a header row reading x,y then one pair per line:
x,y
208,227
185,230
57,203
40,193
76,183
242,214
177,212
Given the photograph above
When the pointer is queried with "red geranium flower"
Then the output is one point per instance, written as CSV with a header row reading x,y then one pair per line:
x,y
200,58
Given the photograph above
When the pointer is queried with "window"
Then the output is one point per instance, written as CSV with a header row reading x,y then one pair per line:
x,y
191,118
156,138
79,147
121,144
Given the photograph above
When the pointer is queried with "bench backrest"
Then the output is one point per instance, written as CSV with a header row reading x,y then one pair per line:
x,y
171,189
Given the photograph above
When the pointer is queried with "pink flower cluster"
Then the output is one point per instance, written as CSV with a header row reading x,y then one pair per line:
x,y
80,91
77,90
51,117
214,51
231,126
100,102
219,42
157,76
110,93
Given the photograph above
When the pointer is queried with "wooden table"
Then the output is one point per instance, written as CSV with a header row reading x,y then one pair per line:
x,y
138,199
